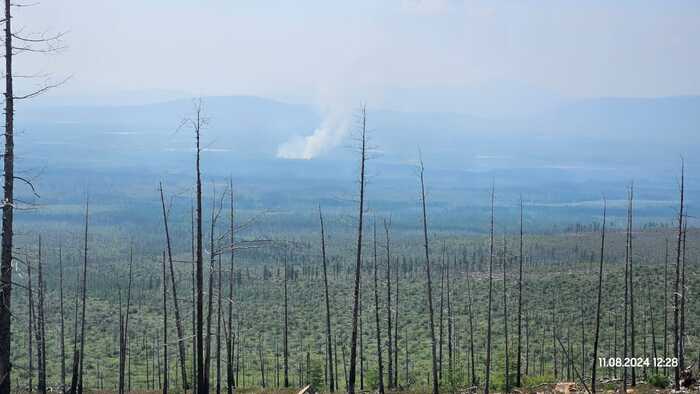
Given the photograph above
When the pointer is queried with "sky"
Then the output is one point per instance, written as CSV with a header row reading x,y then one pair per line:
x,y
335,52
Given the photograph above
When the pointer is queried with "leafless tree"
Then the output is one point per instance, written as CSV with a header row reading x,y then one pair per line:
x,y
488,322
600,298
390,367
230,338
329,346
165,328
380,366
521,257
429,284
358,256
15,43
176,304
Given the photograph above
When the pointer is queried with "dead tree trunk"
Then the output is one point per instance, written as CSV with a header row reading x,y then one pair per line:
x,y
7,212
165,328
197,124
230,380
631,285
380,366
600,298
329,346
31,329
396,325
429,289
41,327
472,360
505,315
665,308
441,327
520,301
390,366
218,329
358,256
62,338
83,296
487,374
286,328
681,340
176,303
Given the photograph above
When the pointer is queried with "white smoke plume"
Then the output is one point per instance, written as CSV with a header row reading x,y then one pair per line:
x,y
328,135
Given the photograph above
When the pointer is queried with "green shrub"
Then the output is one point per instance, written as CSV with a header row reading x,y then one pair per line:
x,y
659,381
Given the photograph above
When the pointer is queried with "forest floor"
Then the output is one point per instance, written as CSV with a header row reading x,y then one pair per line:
x,y
548,388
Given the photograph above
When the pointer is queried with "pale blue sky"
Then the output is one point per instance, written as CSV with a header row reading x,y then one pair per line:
x,y
345,51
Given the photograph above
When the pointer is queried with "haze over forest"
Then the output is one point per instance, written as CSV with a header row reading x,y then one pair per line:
x,y
406,196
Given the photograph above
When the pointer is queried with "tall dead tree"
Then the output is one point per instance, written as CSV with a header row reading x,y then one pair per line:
x,y
600,298
429,284
329,345
521,256
7,212
380,365
83,297
26,45
488,321
396,325
681,343
676,285
62,343
197,123
505,315
30,326
230,338
390,366
124,330
358,255
286,327
631,282
165,328
472,361
176,303
41,326
219,291
665,308
441,326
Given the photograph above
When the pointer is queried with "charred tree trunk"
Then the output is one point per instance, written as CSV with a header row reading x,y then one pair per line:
x,y
62,339
30,327
202,387
83,297
631,285
7,212
472,359
390,366
176,304
380,366
165,328
665,309
396,326
358,256
429,289
518,367
230,378
505,316
286,328
329,346
488,324
600,298
41,327
218,329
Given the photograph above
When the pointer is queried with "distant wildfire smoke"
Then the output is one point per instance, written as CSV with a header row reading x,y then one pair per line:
x,y
328,135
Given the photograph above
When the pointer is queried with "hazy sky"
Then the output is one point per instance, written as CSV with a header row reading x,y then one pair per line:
x,y
351,49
